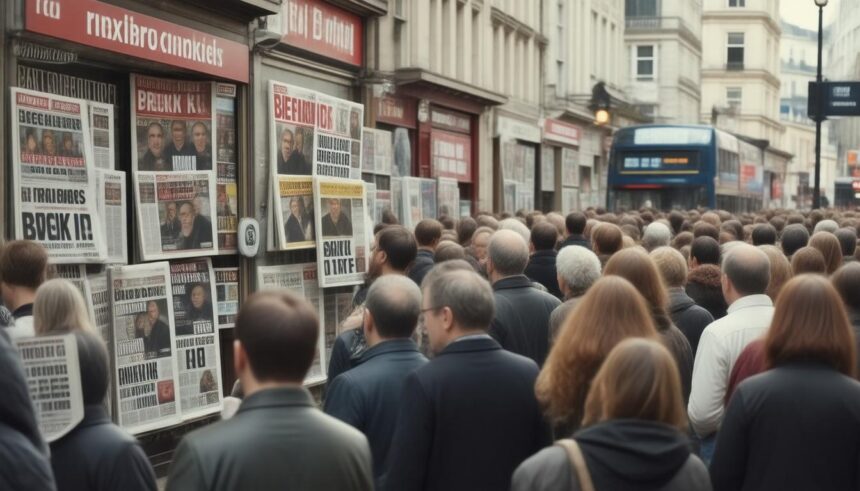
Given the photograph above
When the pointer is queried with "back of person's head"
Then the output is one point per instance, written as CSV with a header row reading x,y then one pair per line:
x,y
682,239
607,238
611,311
748,269
23,263
705,250
578,268
810,324
846,280
830,248
447,222
59,308
639,380
793,238
465,228
631,231
558,221
487,221
447,250
712,218
764,234
826,226
389,218
847,237
508,253
705,229
734,227
676,219
780,270
428,232
517,226
278,331
635,266
808,260
778,223
399,246
544,236
656,235
468,296
672,266
95,367
394,302
575,223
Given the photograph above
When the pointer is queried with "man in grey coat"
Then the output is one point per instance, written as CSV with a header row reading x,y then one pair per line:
x,y
277,439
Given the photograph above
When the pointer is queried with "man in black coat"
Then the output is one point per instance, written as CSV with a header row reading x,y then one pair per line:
x,y
469,417
157,339
521,323
541,266
575,224
368,396
428,232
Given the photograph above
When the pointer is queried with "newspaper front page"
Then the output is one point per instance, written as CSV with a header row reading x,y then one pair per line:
x,y
338,138
227,291
54,381
227,169
410,201
377,151
198,354
54,185
449,197
342,241
98,304
428,198
383,202
76,274
111,199
142,321
337,306
295,212
397,200
101,126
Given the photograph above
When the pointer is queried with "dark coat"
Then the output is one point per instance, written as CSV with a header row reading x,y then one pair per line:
x,y
575,240
421,266
297,164
97,455
157,344
342,228
521,324
690,318
675,341
541,268
467,420
796,426
368,396
704,287
295,229
277,439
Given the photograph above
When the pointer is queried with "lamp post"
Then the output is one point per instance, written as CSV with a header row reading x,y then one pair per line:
x,y
816,191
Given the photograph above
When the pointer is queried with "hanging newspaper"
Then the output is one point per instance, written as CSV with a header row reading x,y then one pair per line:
x,y
338,138
226,173
397,200
300,279
142,306
295,212
428,198
99,305
383,202
76,274
370,207
54,380
198,354
292,129
110,185
337,306
377,152
101,125
449,197
174,214
54,184
173,124
227,292
342,245
410,201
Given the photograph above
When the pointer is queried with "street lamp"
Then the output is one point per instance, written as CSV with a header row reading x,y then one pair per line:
x,y
816,191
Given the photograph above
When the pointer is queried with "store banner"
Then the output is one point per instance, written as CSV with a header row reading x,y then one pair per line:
x,y
323,29
227,185
53,177
398,111
451,155
561,132
123,31
337,140
227,292
342,242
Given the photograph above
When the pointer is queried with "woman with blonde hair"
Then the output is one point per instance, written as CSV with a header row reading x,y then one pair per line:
x,y
59,308
609,312
780,270
633,431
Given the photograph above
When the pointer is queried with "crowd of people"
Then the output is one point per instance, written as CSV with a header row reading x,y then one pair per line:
x,y
641,350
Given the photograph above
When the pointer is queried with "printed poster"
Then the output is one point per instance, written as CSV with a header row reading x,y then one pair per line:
x,y
342,242
338,138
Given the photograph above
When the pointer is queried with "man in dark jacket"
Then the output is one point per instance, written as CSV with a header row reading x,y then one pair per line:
x,y
541,266
575,224
428,232
277,438
335,223
690,318
521,323
368,396
469,417
705,288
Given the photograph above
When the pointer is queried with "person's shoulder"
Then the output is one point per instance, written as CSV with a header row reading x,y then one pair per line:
x,y
692,475
515,362
340,436
549,469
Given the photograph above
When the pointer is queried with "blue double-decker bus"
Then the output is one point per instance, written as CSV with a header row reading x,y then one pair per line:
x,y
683,167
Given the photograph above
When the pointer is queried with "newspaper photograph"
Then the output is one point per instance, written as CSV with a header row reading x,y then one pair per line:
x,y
337,305
54,382
174,214
142,310
101,127
377,151
448,197
292,120
342,241
54,185
173,124
110,185
300,279
338,138
295,212
227,169
198,354
227,293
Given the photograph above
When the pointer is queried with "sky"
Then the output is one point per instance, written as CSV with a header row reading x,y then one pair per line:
x,y
804,13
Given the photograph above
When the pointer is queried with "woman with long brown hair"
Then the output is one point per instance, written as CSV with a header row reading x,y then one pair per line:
x,y
830,248
633,432
796,426
808,260
638,268
611,311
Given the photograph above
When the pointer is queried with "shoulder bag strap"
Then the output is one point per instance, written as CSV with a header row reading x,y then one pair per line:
x,y
577,462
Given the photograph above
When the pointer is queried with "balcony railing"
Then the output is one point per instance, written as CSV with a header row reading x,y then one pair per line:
x,y
633,24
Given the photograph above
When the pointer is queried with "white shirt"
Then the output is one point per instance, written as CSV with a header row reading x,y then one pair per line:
x,y
720,346
22,328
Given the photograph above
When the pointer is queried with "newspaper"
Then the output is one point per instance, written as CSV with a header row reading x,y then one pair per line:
x,y
397,199
101,126
337,140
448,197
428,198
98,304
54,185
54,381
76,274
383,202
198,354
227,169
173,124
377,151
342,241
142,312
174,214
410,201
300,279
294,213
110,186
292,129
227,293
337,305
370,208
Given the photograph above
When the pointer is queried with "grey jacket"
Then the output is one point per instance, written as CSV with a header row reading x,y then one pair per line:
x,y
277,440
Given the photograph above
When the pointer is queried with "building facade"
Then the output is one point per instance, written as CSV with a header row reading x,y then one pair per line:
x,y
843,63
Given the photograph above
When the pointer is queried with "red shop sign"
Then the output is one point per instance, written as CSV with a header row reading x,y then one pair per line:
x,y
398,111
318,27
562,132
116,29
451,155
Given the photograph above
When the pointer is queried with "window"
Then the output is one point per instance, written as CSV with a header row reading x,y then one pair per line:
x,y
640,8
734,96
737,3
645,63
735,51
